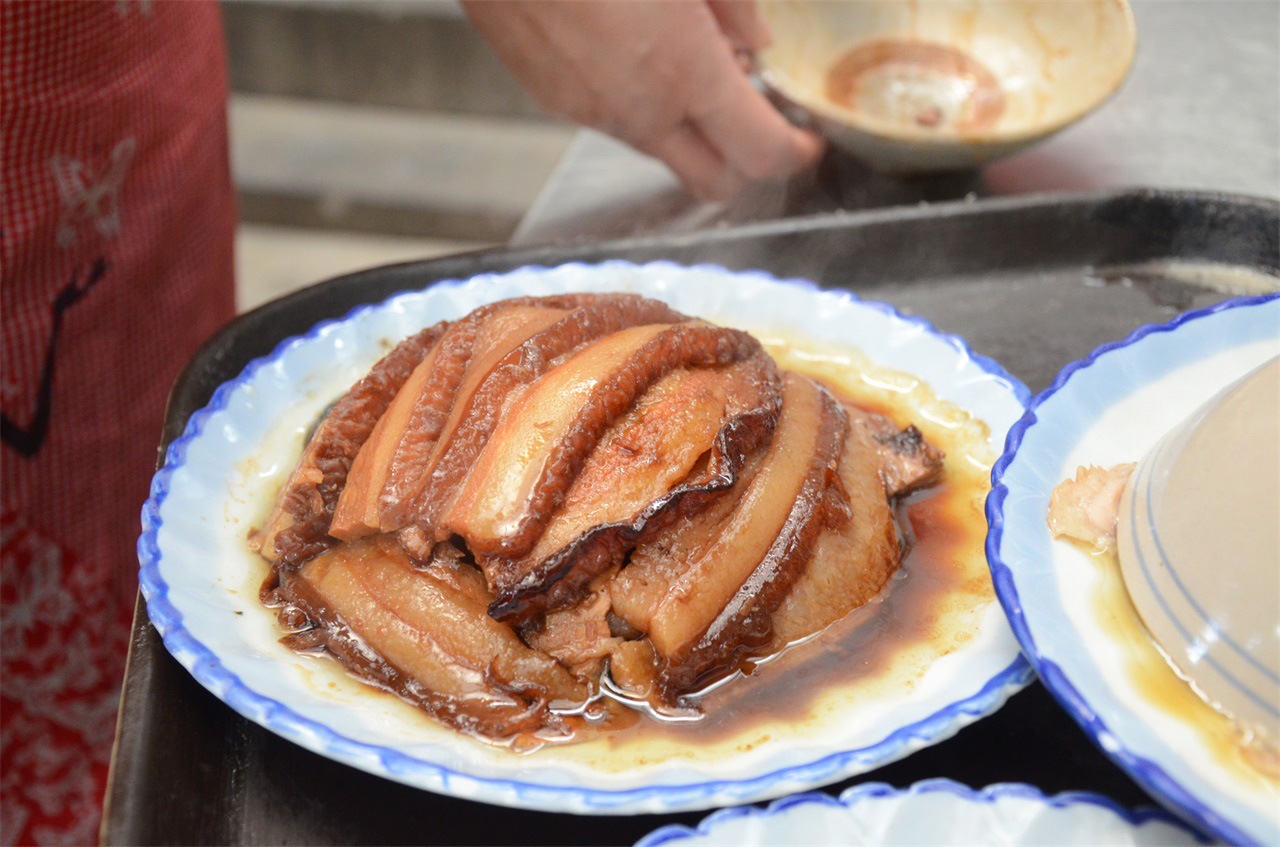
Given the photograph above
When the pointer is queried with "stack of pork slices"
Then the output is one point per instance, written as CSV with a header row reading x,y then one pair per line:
x,y
555,496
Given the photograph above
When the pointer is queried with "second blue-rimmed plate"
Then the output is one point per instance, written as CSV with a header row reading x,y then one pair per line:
x,y
200,581
937,812
1070,610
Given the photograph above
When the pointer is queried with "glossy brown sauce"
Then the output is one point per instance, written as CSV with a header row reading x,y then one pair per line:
x,y
783,688
1154,676
908,616
929,608
916,83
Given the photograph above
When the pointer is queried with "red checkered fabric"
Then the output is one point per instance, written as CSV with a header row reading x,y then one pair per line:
x,y
116,262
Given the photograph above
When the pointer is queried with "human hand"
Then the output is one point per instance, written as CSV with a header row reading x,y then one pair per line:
x,y
662,76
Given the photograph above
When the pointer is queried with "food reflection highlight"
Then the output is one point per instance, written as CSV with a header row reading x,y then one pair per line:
x,y
526,518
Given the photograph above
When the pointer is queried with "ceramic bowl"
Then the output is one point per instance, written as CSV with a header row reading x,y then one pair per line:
x,y
1199,547
937,85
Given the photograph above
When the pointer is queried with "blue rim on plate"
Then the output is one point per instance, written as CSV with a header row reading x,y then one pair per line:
x,y
851,797
209,669
1155,778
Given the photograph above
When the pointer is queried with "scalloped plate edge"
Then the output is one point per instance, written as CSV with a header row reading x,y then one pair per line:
x,y
1148,773
209,671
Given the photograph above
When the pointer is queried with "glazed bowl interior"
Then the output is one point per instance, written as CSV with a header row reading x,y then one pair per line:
x,y
1199,548
944,84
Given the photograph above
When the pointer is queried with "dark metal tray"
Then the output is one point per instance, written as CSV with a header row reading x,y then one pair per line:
x,y
1034,282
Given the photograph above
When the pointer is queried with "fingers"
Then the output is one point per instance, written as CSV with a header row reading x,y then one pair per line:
x,y
742,23
697,163
661,76
749,133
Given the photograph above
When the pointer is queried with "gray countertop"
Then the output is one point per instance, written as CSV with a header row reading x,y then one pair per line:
x,y
1200,110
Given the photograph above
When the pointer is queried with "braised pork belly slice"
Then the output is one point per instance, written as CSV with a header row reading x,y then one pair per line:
x,y
907,462
496,336
718,606
392,467
356,514
856,552
298,526
686,436
476,413
806,462
696,599
524,472
407,438
425,633
657,563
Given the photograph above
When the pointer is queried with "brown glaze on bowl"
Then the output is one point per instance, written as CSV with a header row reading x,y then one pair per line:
x,y
932,85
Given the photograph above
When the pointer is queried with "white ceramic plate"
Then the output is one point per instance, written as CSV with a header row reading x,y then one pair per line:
x,y
200,582
937,812
1111,408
